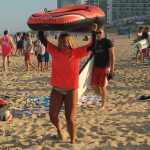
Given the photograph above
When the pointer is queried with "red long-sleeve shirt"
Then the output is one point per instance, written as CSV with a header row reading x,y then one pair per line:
x,y
65,66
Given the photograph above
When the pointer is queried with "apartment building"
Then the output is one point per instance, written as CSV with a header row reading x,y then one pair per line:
x,y
119,11
62,3
93,2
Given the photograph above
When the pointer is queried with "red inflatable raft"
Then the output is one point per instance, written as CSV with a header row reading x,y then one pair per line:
x,y
69,18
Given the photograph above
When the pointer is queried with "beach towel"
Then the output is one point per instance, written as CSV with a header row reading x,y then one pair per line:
x,y
30,111
34,105
40,105
40,102
37,102
89,100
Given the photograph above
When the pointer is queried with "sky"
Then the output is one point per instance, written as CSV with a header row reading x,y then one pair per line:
x,y
15,13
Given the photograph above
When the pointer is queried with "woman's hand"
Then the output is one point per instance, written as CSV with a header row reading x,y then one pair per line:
x,y
94,27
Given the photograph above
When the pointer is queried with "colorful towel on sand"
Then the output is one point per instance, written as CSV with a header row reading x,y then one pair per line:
x,y
40,105
89,100
30,111
40,102
34,105
37,102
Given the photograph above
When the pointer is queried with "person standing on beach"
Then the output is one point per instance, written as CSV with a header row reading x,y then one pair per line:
x,y
64,80
40,53
19,44
145,35
139,34
6,46
138,38
28,47
104,64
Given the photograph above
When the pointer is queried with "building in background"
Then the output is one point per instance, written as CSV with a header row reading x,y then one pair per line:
x,y
93,2
62,3
127,11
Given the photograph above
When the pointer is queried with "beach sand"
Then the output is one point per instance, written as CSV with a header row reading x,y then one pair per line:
x,y
124,125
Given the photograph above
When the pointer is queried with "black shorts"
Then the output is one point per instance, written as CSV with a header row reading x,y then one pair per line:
x,y
20,44
41,58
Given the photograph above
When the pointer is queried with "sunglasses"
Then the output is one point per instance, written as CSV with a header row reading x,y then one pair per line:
x,y
100,32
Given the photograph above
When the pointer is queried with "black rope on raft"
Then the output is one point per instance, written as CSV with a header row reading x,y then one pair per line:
x,y
45,9
88,9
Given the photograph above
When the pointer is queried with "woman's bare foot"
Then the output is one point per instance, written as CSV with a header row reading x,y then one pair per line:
x,y
73,141
102,107
59,135
62,135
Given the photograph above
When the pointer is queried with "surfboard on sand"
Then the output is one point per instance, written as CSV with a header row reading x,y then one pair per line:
x,y
85,75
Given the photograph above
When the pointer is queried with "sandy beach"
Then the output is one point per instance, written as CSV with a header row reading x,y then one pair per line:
x,y
124,125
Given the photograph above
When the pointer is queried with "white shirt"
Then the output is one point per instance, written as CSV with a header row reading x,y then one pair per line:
x,y
26,45
39,47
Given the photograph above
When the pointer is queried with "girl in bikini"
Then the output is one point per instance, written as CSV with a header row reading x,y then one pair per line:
x,y
64,80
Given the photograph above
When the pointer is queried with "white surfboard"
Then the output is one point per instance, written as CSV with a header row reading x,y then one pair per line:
x,y
143,44
85,75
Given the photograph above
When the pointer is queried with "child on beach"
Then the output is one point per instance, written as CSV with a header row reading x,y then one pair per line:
x,y
28,46
40,53
64,80
6,46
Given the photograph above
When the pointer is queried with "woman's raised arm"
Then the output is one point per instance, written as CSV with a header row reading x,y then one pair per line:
x,y
42,38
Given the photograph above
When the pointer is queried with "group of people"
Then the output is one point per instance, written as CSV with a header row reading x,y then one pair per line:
x,y
65,71
143,34
24,46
